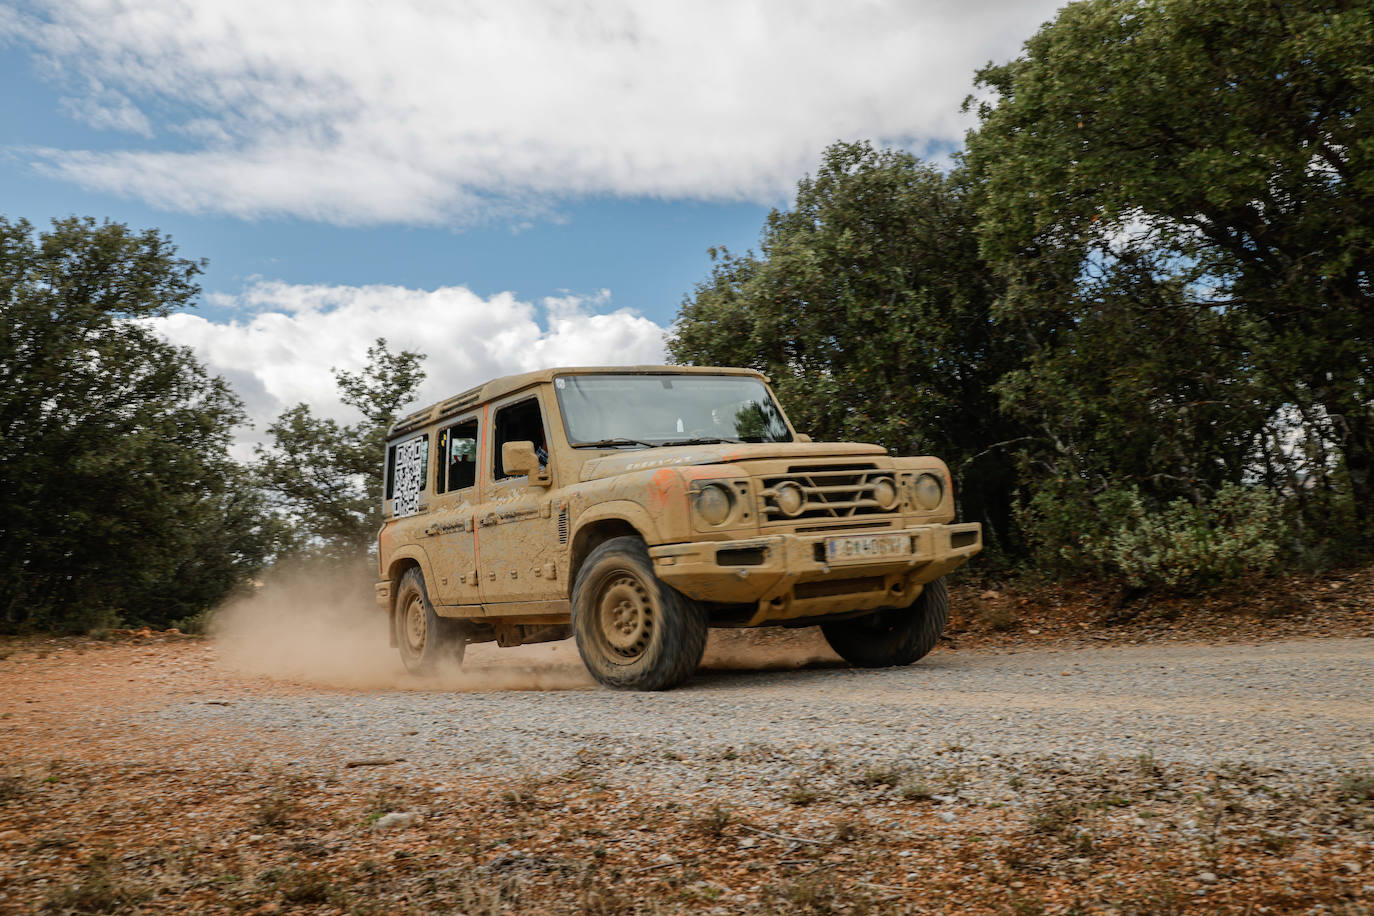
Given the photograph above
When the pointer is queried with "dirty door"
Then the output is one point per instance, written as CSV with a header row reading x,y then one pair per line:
x,y
452,539
517,524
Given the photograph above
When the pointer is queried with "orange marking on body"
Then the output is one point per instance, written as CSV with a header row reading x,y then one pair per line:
x,y
665,484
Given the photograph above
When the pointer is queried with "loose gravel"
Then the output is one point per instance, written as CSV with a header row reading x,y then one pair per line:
x,y
158,772
1292,706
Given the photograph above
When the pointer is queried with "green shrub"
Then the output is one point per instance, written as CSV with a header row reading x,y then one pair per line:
x,y
1237,534
196,624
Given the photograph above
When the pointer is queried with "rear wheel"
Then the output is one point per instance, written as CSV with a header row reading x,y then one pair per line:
x,y
892,636
427,640
633,631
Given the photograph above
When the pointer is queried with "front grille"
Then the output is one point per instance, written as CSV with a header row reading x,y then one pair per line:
x,y
834,491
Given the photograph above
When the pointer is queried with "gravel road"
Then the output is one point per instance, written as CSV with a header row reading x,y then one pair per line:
x,y
1233,779
1292,706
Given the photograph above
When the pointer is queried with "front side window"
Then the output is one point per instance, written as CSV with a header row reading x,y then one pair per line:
x,y
457,457
520,422
651,410
405,474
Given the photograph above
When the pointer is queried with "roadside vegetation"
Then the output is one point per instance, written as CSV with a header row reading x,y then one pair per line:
x,y
1135,314
1037,837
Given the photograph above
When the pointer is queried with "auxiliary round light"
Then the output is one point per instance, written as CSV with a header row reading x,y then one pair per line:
x,y
790,499
714,503
885,493
929,491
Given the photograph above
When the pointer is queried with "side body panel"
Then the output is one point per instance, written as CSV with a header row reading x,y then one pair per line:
x,y
518,551
450,534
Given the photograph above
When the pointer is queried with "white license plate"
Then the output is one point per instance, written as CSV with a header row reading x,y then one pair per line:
x,y
867,547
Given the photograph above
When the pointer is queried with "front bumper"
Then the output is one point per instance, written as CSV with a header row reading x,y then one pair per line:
x,y
785,576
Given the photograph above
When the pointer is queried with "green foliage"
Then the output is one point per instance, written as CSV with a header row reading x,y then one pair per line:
x,y
119,497
326,477
870,308
1222,152
1149,275
1143,389
1238,534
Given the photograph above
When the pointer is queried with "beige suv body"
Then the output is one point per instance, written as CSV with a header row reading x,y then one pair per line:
x,y
636,506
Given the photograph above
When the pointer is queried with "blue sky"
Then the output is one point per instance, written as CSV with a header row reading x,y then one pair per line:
x,y
648,252
503,186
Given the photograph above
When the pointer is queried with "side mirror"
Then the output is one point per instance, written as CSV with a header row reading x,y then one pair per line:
x,y
803,437
519,458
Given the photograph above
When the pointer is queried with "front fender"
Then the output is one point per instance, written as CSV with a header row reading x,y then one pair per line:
x,y
626,511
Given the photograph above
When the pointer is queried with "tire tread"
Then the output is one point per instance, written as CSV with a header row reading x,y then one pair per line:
x,y
683,623
902,636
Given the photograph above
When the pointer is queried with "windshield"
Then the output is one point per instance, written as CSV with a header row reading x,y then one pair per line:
x,y
651,410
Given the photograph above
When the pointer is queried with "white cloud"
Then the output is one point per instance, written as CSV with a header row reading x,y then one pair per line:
x,y
411,111
282,352
106,110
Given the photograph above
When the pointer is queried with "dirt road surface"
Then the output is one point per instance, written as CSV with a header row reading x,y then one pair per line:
x,y
160,775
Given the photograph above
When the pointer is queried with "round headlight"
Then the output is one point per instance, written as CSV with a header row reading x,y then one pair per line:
x,y
885,493
790,498
714,503
929,491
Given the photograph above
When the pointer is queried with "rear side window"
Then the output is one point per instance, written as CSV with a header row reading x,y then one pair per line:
x,y
457,458
406,463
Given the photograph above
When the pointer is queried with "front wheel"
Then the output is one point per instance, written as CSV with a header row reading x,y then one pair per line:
x,y
427,640
633,631
892,636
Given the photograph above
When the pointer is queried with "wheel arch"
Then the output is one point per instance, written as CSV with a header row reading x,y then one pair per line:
x,y
594,532
403,561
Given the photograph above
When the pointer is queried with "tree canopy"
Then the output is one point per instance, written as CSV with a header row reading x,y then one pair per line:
x,y
1208,167
870,308
118,493
325,477
1148,275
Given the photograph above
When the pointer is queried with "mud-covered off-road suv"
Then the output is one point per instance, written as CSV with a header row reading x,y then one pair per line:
x,y
635,507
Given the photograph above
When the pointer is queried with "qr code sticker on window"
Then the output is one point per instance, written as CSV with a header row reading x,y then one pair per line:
x,y
410,476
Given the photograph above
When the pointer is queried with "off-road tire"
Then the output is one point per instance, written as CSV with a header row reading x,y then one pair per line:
x,y
633,631
892,636
426,640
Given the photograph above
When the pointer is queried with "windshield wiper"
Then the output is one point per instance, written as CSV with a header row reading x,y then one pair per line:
x,y
698,440
607,443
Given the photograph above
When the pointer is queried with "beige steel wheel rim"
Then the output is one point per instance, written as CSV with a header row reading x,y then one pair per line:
x,y
416,626
625,614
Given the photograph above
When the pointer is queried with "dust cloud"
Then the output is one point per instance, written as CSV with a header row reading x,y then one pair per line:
x,y
771,649
321,626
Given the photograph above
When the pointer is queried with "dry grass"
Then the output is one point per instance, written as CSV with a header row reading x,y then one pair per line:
x,y
1358,787
998,617
801,793
13,787
916,790
598,851
102,888
714,821
876,776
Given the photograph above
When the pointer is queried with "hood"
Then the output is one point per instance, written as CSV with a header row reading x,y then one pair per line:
x,y
643,459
